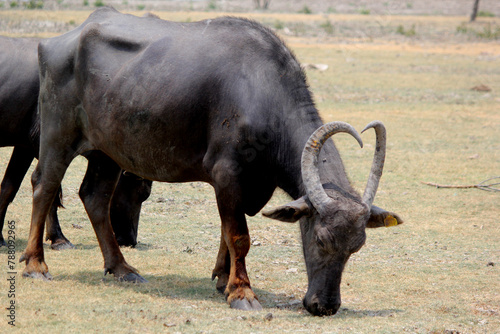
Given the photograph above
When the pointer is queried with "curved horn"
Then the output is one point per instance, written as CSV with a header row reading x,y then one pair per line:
x,y
378,162
310,174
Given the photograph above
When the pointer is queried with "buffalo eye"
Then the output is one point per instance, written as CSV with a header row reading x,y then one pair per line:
x,y
320,242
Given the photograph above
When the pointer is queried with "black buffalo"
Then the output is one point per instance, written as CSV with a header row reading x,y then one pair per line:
x,y
19,127
222,101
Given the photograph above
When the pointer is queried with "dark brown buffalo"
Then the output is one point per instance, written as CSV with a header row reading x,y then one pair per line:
x,y
222,101
19,127
19,87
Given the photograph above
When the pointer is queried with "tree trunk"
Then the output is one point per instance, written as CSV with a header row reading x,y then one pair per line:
x,y
474,11
265,4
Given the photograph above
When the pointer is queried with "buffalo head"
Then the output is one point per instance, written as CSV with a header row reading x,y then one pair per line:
x,y
332,219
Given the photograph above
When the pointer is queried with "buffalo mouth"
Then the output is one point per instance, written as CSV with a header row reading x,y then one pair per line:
x,y
316,308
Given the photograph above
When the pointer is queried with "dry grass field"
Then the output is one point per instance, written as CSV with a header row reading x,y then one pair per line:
x,y
437,273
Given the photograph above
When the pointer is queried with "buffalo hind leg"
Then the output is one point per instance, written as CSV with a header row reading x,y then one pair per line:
x,y
238,291
53,230
19,163
222,266
96,192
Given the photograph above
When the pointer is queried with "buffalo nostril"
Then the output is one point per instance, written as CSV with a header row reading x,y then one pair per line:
x,y
331,308
335,308
316,309
312,307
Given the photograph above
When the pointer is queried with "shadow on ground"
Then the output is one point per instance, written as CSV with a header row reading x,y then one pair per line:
x,y
177,287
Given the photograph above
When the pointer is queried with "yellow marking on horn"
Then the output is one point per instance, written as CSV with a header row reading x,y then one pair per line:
x,y
390,221
315,144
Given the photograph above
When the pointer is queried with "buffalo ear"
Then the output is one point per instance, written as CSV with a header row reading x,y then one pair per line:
x,y
290,212
380,218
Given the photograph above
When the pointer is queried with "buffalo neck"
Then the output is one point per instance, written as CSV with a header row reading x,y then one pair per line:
x,y
304,121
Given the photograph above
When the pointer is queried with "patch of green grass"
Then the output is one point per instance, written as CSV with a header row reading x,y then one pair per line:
x,y
141,7
462,29
33,4
364,11
305,10
328,27
331,10
99,3
485,13
406,32
278,25
212,5
489,32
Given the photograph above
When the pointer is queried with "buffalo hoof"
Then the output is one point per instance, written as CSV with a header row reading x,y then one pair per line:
x,y
221,281
62,245
133,278
2,243
44,277
246,305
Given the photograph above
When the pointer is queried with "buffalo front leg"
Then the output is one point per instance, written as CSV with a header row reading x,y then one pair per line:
x,y
19,163
238,291
46,182
235,235
96,192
